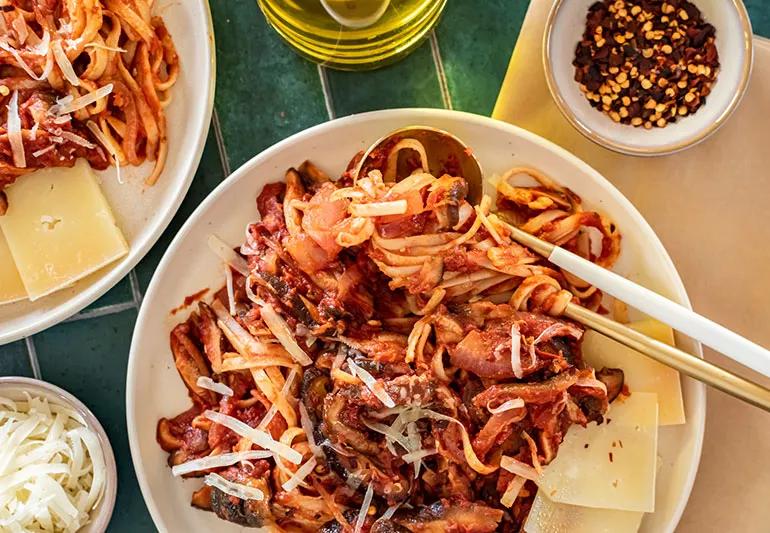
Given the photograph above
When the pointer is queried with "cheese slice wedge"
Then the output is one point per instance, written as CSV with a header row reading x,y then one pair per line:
x,y
59,228
546,516
11,287
610,465
642,374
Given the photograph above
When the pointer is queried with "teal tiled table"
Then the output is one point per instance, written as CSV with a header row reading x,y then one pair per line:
x,y
264,94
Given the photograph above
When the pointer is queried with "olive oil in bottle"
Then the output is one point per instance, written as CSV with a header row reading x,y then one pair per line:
x,y
353,34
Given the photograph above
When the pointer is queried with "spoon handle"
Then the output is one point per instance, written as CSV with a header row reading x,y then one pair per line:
x,y
677,316
653,304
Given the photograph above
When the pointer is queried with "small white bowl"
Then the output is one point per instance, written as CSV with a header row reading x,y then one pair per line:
x,y
564,29
15,389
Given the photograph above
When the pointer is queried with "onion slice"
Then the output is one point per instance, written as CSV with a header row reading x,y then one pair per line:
x,y
218,461
14,132
237,490
209,384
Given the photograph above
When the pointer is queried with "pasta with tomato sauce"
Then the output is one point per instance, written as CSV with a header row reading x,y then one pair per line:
x,y
86,79
384,357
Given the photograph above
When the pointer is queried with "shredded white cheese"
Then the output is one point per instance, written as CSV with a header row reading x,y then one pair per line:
x,y
516,403
63,106
14,132
364,508
64,64
514,466
280,329
230,289
518,371
228,255
307,427
218,461
104,141
209,384
300,475
377,389
258,437
512,492
237,490
378,209
52,471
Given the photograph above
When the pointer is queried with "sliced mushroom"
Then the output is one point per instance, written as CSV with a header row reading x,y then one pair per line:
x,y
190,364
613,379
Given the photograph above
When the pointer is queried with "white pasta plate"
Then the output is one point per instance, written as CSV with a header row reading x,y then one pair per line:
x,y
154,389
142,212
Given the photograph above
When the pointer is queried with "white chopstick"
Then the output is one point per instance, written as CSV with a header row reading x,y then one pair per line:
x,y
677,316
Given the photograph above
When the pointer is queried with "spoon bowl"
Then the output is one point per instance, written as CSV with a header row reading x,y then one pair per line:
x,y
446,155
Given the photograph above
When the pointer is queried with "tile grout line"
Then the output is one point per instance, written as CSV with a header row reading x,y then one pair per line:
x,y
224,160
33,361
136,291
440,72
102,311
328,100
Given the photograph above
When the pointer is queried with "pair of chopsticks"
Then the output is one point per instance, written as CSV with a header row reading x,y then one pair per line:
x,y
678,317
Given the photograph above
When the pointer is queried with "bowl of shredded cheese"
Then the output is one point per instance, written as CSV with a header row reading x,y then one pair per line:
x,y
57,469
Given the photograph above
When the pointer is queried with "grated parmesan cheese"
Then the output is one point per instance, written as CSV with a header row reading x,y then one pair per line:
x,y
218,461
364,508
52,471
228,255
280,329
377,389
258,437
209,384
300,475
237,490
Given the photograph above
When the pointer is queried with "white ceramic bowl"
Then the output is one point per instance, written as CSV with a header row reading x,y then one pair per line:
x,y
15,389
142,212
564,29
154,389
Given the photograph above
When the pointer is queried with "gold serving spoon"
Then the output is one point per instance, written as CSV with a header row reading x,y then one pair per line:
x,y
445,151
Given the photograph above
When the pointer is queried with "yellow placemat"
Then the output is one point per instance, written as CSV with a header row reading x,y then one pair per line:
x,y
710,205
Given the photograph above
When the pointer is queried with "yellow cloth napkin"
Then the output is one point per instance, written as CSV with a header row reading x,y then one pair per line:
x,y
710,205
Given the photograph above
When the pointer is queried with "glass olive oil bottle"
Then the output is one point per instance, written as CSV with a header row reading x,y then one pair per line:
x,y
353,34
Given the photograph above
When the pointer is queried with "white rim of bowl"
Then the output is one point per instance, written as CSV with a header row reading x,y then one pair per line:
x,y
102,513
627,149
83,299
410,116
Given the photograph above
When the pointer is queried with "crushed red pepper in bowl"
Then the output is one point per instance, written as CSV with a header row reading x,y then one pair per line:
x,y
646,63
